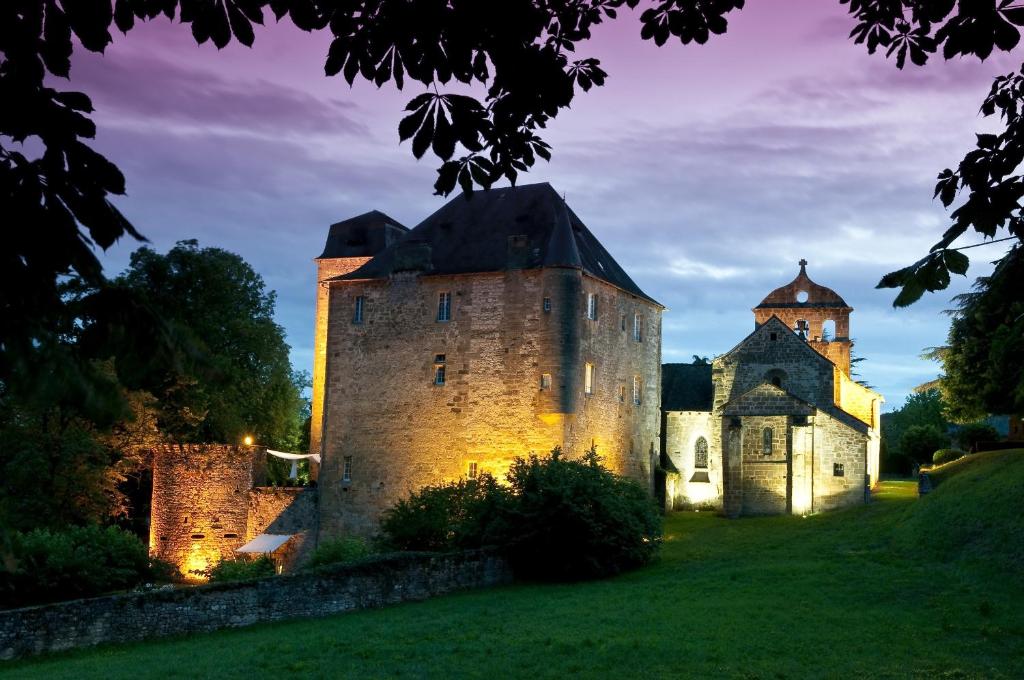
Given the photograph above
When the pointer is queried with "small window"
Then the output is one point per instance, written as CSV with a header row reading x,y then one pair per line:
x,y
357,313
838,470
773,336
346,474
622,393
637,389
777,381
439,369
472,471
622,323
588,379
230,535
547,304
197,536
591,306
444,306
766,441
637,323
700,453
545,381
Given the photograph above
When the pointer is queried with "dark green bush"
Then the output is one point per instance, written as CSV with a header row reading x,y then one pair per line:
x,y
920,442
76,562
452,516
575,519
946,455
241,569
557,520
340,551
970,435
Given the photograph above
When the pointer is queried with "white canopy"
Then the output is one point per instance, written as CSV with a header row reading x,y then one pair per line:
x,y
265,543
294,456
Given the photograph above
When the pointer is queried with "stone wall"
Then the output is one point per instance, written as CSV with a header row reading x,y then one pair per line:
x,y
285,510
398,431
200,502
127,618
682,429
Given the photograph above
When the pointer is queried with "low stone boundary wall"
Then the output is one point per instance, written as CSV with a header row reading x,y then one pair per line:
x,y
125,618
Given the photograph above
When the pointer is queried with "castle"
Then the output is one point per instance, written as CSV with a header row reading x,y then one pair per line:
x,y
500,326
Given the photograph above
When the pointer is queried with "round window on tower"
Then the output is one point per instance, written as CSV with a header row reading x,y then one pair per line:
x,y
801,296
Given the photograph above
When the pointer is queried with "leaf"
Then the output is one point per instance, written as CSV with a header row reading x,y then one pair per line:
x,y
956,261
240,25
421,141
124,17
911,293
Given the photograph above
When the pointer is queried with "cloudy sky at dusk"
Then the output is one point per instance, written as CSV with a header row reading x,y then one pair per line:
x,y
707,171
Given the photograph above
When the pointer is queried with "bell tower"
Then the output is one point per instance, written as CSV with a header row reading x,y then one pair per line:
x,y
816,313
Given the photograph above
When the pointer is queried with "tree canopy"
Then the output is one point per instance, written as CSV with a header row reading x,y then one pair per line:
x,y
523,54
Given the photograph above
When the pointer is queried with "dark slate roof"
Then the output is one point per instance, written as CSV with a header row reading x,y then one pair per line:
x,y
362,236
686,387
817,295
522,227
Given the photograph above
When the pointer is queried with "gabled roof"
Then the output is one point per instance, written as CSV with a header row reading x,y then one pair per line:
x,y
777,325
521,227
767,400
817,295
686,387
362,236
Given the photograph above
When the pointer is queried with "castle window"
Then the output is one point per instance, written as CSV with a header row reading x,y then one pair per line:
x,y
622,393
622,323
700,453
637,323
346,471
766,441
637,389
591,306
588,379
444,306
547,304
545,381
439,366
198,536
838,470
230,535
357,313
472,471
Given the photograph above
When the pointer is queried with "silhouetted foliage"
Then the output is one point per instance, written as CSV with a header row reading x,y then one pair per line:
x,y
339,551
920,442
970,435
45,566
983,363
240,569
943,456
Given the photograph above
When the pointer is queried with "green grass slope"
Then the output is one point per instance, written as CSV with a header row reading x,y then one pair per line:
x,y
975,512
828,596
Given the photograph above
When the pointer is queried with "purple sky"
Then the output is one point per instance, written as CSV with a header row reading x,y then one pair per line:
x,y
707,171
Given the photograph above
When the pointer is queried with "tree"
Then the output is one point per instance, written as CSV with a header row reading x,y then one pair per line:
x,y
234,377
522,51
920,442
925,408
983,363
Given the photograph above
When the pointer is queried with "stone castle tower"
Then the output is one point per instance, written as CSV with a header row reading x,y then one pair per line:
x,y
816,313
497,327
350,244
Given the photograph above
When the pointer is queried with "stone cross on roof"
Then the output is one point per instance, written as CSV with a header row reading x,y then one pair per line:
x,y
802,263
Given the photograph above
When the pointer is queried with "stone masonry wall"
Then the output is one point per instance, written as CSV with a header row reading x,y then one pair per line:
x,y
288,510
837,442
200,502
682,430
400,431
127,618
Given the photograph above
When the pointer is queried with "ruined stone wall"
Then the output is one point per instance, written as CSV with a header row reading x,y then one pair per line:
x,y
682,430
285,510
200,502
325,269
401,431
330,590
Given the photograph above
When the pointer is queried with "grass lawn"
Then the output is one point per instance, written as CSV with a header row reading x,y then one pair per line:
x,y
838,595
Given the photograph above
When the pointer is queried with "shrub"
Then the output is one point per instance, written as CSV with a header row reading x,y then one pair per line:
x,y
340,551
970,435
242,569
72,563
452,516
575,519
920,442
946,455
558,519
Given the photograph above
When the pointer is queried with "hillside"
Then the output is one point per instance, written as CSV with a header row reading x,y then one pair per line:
x,y
974,514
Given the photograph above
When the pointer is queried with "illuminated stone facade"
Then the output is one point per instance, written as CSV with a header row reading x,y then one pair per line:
x,y
469,343
786,429
207,502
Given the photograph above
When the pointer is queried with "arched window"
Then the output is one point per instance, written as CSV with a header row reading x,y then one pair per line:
x,y
766,441
776,376
700,453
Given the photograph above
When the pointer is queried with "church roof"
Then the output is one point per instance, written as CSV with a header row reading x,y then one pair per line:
x,y
362,236
686,387
767,399
521,227
817,295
